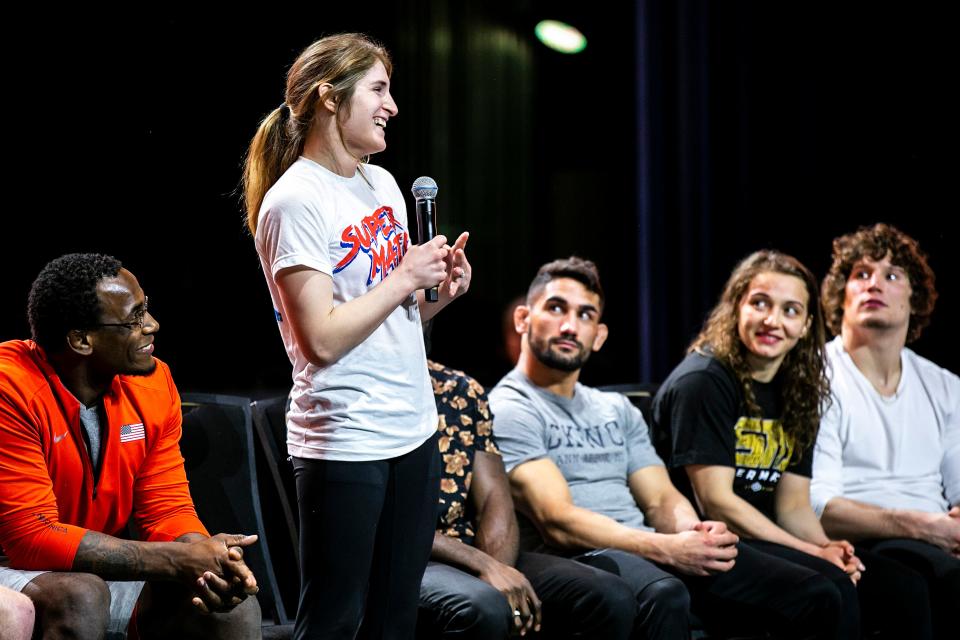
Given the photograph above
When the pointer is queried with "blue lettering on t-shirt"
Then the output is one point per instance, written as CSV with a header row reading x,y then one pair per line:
x,y
613,430
568,430
593,436
577,437
553,441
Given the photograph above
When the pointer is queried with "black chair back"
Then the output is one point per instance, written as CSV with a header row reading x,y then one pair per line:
x,y
217,445
278,494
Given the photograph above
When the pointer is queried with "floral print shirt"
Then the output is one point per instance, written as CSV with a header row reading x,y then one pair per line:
x,y
465,426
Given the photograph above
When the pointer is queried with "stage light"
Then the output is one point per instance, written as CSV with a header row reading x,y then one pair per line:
x,y
560,36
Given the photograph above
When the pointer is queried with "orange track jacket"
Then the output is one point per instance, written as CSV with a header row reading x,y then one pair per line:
x,y
49,496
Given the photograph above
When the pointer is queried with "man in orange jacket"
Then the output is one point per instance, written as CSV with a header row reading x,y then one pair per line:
x,y
90,430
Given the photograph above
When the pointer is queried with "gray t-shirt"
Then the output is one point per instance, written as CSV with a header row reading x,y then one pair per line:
x,y
90,419
596,438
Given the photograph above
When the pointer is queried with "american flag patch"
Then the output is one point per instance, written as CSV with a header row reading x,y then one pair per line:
x,y
131,432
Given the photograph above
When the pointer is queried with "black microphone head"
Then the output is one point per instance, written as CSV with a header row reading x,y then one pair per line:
x,y
424,188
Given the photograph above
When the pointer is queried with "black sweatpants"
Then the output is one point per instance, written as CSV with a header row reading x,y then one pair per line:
x,y
761,593
578,602
939,578
366,531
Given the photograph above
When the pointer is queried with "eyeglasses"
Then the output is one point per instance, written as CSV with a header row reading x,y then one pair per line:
x,y
134,324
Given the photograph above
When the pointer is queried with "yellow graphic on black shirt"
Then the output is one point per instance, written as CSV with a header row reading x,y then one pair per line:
x,y
762,444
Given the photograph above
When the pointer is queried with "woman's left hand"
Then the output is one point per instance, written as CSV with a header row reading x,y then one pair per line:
x,y
459,270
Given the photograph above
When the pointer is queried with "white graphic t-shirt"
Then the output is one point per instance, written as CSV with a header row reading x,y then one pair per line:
x,y
376,401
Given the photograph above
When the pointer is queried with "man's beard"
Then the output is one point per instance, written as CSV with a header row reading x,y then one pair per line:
x,y
141,372
562,362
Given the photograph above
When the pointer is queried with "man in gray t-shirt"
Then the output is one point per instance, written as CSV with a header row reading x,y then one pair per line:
x,y
586,476
596,439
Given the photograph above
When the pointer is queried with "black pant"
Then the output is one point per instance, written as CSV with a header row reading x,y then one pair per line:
x,y
366,530
890,601
761,593
849,600
661,600
936,577
577,602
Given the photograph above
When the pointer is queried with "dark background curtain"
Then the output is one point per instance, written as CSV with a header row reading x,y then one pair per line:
x,y
784,125
686,135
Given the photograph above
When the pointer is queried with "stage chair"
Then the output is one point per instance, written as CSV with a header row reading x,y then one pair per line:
x,y
217,445
278,494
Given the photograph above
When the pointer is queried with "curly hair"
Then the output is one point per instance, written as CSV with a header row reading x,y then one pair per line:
x,y
806,388
876,243
583,271
64,296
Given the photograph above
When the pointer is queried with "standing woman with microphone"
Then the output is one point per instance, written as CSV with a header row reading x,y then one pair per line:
x,y
346,284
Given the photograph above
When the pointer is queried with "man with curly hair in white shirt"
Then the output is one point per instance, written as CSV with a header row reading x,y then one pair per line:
x,y
886,467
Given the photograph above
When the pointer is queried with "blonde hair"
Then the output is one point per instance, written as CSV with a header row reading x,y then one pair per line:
x,y
341,61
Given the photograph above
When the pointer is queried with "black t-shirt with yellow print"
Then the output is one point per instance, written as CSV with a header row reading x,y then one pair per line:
x,y
700,417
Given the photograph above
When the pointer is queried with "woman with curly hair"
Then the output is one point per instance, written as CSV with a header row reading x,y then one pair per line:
x,y
740,416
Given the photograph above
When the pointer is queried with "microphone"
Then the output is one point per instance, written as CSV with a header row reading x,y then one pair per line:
x,y
425,193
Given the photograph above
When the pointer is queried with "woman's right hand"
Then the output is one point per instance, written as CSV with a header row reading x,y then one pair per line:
x,y
425,264
841,554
